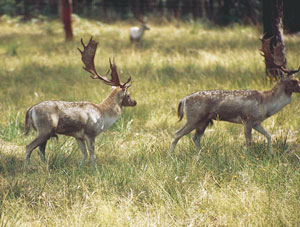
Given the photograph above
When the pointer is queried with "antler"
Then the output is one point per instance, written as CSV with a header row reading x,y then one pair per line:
x,y
290,72
276,60
115,76
273,61
137,15
87,57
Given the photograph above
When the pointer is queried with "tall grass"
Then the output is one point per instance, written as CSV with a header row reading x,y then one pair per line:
x,y
137,182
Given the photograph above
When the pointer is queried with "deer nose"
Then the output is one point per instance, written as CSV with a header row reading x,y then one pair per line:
x,y
134,103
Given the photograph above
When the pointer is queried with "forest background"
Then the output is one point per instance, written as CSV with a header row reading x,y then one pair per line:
x,y
221,12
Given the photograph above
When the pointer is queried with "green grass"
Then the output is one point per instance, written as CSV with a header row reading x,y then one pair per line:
x,y
137,183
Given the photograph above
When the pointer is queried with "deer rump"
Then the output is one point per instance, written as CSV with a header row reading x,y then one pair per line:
x,y
233,106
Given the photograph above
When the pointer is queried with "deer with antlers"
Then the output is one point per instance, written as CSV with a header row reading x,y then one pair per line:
x,y
136,33
82,120
247,107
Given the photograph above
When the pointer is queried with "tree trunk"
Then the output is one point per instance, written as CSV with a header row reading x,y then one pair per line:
x,y
28,6
224,12
53,7
173,6
272,20
67,18
209,9
203,9
291,18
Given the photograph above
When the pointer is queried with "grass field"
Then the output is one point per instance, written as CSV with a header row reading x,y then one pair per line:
x,y
137,182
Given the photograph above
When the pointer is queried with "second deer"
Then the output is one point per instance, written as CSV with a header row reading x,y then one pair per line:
x,y
247,107
136,33
82,120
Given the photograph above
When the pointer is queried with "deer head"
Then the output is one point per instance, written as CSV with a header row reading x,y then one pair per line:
x,y
144,26
142,20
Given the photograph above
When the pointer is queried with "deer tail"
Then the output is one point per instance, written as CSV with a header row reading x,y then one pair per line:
x,y
180,111
28,120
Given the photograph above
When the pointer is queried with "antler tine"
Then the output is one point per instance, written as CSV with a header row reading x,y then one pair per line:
x,y
81,40
114,73
124,85
137,16
141,20
289,72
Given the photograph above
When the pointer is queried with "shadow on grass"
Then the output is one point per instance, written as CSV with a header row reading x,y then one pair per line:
x,y
142,170
10,165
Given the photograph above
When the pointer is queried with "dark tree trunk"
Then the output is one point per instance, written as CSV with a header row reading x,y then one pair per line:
x,y
224,12
272,20
209,8
28,6
67,18
291,19
78,6
174,7
249,13
203,8
53,7
159,8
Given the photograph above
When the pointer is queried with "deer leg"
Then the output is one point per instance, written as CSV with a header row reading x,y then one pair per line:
x,y
42,148
199,133
248,135
81,145
197,138
261,130
186,129
39,140
91,147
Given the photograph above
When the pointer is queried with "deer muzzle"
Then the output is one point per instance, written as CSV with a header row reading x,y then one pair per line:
x,y
129,102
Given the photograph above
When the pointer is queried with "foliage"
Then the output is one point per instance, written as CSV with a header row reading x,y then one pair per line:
x,y
220,12
137,182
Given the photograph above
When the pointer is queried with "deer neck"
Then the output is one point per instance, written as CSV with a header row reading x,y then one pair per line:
x,y
111,105
276,99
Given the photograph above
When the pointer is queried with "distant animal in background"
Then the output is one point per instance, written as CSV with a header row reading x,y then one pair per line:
x,y
247,107
136,33
82,120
